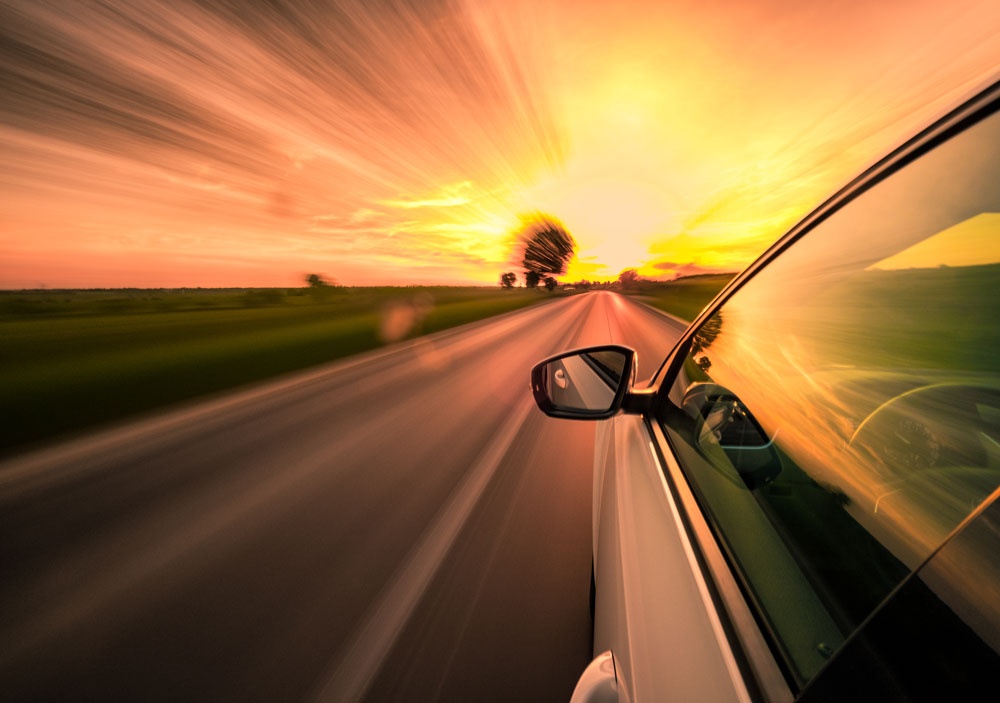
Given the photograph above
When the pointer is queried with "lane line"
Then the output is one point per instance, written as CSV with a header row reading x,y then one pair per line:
x,y
364,657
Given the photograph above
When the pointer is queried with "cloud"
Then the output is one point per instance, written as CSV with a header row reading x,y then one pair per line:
x,y
449,196
670,269
364,215
420,129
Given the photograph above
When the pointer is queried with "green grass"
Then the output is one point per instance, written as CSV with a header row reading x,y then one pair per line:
x,y
942,318
684,297
73,360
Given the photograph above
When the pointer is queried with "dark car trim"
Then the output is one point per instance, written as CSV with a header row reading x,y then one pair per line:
x,y
893,656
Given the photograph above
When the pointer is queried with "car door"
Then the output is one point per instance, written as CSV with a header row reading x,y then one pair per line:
x,y
653,609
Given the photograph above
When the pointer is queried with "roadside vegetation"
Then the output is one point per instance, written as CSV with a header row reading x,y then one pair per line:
x,y
682,297
76,359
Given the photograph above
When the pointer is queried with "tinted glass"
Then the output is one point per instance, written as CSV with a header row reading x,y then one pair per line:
x,y
937,637
840,414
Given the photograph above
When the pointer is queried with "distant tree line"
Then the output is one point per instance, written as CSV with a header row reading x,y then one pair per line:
x,y
627,280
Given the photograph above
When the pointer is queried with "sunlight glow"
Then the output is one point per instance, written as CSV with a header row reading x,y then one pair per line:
x,y
146,143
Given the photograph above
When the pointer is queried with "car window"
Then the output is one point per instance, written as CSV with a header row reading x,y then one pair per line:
x,y
839,415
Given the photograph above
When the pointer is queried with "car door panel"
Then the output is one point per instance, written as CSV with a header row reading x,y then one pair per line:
x,y
653,608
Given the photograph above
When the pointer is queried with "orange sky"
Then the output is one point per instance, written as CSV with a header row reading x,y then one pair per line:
x,y
397,141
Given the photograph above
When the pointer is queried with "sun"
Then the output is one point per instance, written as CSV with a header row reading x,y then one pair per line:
x,y
613,222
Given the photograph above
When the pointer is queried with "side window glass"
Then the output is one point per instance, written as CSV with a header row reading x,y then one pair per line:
x,y
839,416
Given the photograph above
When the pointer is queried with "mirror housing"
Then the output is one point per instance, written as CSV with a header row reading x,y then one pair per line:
x,y
593,383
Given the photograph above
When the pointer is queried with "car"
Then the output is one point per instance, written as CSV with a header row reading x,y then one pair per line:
x,y
802,503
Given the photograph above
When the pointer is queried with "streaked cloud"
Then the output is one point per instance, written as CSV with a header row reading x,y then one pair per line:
x,y
185,142
450,196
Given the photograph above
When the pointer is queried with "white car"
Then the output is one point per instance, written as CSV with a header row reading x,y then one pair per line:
x,y
802,505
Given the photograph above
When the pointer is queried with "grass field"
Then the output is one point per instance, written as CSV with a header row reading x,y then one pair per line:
x,y
684,297
76,359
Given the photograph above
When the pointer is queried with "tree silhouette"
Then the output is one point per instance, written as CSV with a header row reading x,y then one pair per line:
x,y
548,247
319,288
507,280
628,279
314,280
550,283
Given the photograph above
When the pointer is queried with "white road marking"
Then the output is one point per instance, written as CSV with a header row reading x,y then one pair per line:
x,y
371,644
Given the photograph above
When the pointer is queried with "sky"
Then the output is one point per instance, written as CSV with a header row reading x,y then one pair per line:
x,y
186,143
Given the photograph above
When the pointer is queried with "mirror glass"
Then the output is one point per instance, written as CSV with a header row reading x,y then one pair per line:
x,y
586,381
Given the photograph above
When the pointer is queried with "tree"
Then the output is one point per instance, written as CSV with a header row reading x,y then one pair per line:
x,y
628,279
314,280
319,287
548,247
507,280
550,283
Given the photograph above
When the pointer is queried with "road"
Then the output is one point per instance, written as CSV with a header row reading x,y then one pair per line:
x,y
404,525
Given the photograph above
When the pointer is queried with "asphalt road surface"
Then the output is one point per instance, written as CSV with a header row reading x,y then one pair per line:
x,y
401,526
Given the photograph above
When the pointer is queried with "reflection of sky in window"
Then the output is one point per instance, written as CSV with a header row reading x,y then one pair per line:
x,y
973,242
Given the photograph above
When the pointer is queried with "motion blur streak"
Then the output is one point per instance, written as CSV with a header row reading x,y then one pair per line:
x,y
149,143
276,129
355,671
398,526
193,526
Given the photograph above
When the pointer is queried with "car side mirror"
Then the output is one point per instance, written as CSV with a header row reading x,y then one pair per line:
x,y
585,384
